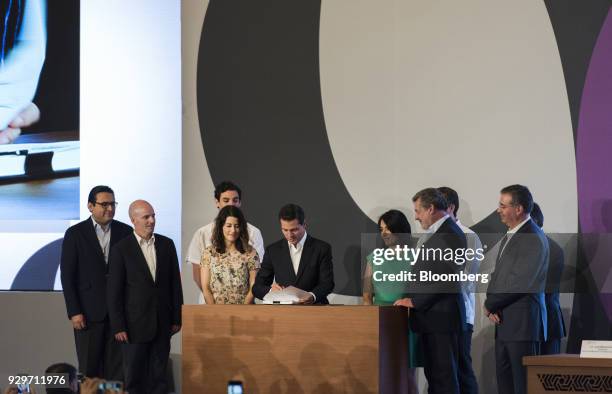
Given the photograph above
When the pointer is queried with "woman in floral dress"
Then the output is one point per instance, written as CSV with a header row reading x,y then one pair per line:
x,y
230,264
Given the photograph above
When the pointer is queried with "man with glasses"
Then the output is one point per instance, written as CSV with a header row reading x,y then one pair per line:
x,y
84,269
515,296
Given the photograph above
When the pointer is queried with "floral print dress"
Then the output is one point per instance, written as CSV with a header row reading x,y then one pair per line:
x,y
229,274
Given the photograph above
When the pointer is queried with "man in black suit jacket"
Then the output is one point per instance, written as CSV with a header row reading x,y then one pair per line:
x,y
298,260
554,315
437,309
85,253
144,300
515,297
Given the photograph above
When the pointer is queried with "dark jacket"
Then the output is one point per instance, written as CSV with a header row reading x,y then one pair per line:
x,y
516,289
83,269
137,304
315,272
438,306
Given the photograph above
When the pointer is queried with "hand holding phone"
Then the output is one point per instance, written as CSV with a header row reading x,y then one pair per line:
x,y
234,387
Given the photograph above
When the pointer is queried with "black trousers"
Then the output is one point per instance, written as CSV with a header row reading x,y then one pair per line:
x,y
511,374
145,365
98,353
441,362
551,346
467,379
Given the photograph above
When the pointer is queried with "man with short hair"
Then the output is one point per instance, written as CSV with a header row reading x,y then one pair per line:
x,y
298,260
84,268
226,193
515,297
554,316
144,301
437,308
467,379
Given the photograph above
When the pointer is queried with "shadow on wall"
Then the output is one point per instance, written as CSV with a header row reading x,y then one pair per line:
x,y
487,381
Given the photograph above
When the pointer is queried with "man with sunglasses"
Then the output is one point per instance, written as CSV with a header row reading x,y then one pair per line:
x,y
84,271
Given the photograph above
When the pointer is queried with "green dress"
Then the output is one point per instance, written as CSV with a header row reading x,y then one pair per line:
x,y
386,293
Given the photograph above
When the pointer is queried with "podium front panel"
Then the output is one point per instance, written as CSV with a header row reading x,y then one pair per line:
x,y
293,349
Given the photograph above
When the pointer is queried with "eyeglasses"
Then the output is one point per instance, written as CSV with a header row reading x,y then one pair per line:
x,y
504,206
106,205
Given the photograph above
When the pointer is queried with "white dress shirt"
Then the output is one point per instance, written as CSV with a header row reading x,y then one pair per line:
x,y
148,250
512,231
295,251
432,229
436,225
104,234
471,267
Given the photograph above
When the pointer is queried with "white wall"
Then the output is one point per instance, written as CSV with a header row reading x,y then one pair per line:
x,y
130,139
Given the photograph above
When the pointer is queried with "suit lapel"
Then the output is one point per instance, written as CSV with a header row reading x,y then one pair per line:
x,y
512,242
114,238
114,234
140,258
305,258
443,227
505,261
287,261
158,260
92,238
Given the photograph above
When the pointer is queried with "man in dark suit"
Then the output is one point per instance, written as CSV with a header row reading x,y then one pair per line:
x,y
554,315
85,255
437,308
298,260
144,300
515,297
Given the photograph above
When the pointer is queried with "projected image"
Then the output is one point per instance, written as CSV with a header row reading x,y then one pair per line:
x,y
39,137
39,110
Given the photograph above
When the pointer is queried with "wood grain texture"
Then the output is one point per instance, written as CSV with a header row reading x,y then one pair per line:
x,y
567,360
281,349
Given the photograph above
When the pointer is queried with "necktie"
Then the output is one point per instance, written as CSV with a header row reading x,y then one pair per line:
x,y
501,246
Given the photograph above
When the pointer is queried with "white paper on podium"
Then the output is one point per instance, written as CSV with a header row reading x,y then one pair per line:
x,y
288,295
596,349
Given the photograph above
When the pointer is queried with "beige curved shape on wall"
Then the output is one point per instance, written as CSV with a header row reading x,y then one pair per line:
x,y
198,202
466,94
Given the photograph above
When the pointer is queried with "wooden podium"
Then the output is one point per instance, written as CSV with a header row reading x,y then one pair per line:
x,y
294,348
568,373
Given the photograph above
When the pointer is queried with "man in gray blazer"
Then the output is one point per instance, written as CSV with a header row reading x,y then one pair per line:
x,y
515,297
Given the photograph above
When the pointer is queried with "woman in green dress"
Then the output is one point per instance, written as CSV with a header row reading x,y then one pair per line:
x,y
394,230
